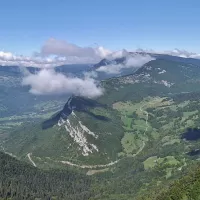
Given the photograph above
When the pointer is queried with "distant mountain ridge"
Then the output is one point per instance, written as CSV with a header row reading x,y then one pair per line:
x,y
105,62
122,59
75,68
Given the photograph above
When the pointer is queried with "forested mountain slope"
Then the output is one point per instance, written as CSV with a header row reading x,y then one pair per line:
x,y
19,181
22,181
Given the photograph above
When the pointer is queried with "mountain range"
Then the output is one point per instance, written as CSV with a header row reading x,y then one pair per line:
x,y
131,142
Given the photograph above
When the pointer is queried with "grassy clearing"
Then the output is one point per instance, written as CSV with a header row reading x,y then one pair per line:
x,y
188,114
168,173
171,160
134,112
168,126
149,102
154,134
169,140
128,108
173,141
140,124
92,172
151,162
127,122
183,104
175,107
133,117
101,111
131,143
189,123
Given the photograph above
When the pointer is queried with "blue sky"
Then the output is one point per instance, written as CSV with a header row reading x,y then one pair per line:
x,y
26,24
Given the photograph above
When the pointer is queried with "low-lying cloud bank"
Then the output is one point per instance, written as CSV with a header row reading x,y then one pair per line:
x,y
183,53
8,59
174,52
48,82
55,53
133,61
59,52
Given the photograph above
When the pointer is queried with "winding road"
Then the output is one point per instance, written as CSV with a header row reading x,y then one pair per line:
x,y
10,154
29,157
90,166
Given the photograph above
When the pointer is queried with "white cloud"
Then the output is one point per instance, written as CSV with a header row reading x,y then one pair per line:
x,y
8,59
47,82
118,54
102,52
90,74
54,53
58,52
197,56
182,53
63,48
134,61
110,69
5,55
174,52
138,60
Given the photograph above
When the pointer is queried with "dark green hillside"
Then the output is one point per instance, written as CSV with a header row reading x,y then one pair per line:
x,y
21,181
96,135
158,77
185,188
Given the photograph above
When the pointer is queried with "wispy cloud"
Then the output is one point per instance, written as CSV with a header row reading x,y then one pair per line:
x,y
47,82
175,52
8,59
134,61
183,53
56,52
